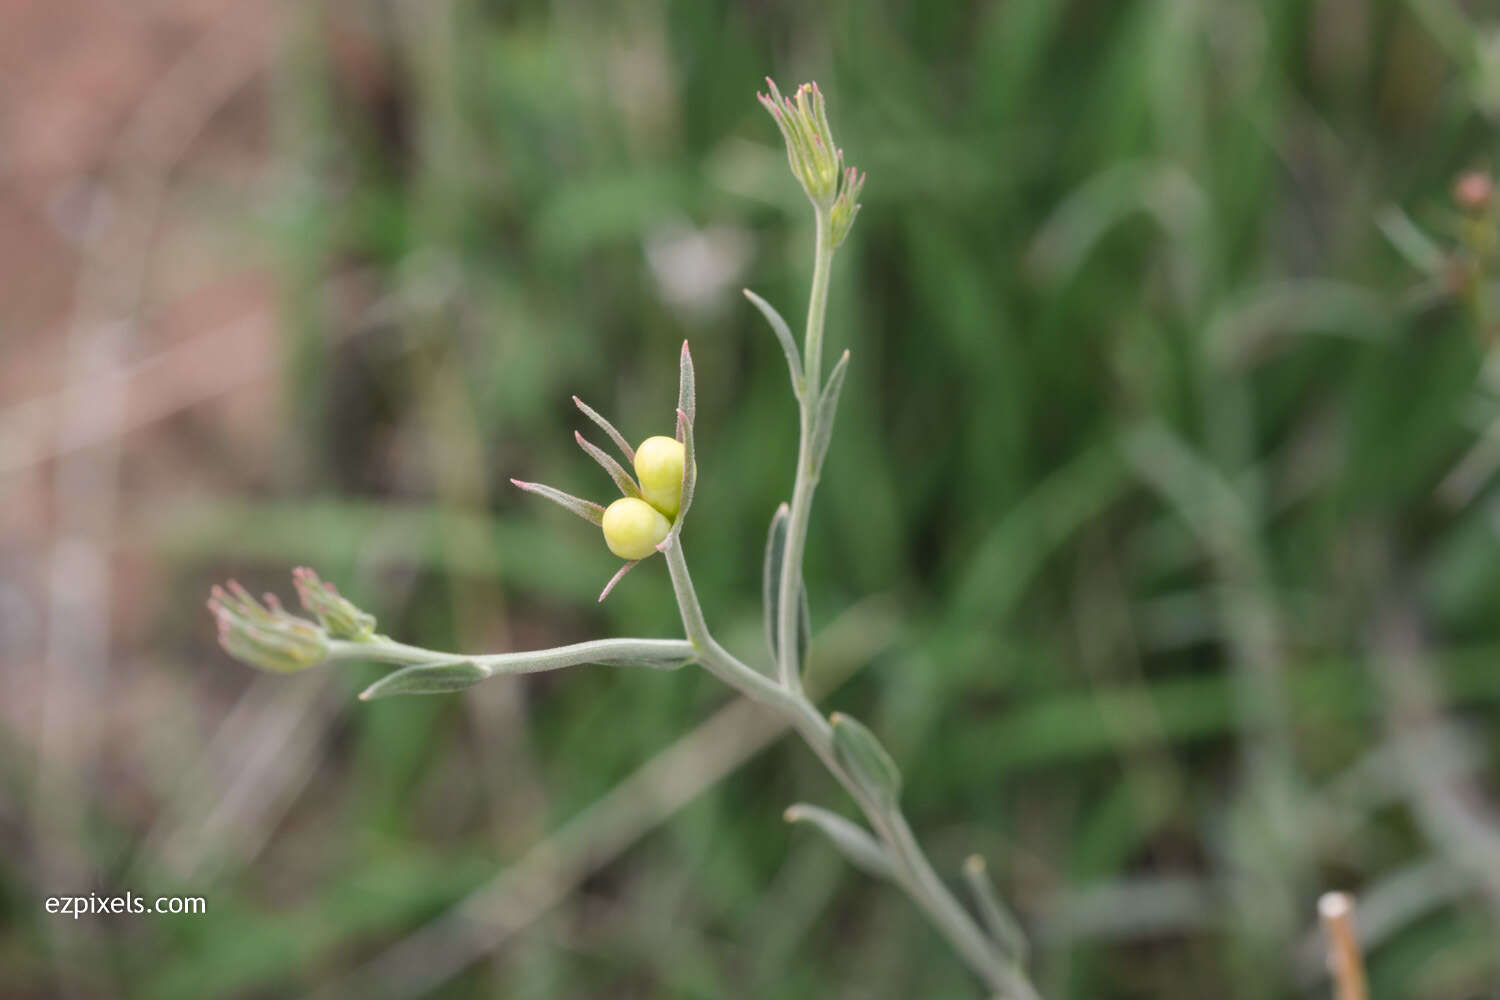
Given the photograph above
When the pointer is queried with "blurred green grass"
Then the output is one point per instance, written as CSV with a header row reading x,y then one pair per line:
x,y
1084,221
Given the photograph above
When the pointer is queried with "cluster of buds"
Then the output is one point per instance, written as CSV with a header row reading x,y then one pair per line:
x,y
816,161
267,636
648,516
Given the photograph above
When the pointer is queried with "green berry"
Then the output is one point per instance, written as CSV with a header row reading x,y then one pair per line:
x,y
658,466
633,528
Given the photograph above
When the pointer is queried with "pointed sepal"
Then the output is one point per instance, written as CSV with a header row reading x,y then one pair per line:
x,y
619,575
623,480
586,509
607,427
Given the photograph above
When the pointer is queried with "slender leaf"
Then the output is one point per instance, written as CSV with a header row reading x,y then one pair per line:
x,y
864,758
862,850
427,678
828,406
770,585
784,335
771,591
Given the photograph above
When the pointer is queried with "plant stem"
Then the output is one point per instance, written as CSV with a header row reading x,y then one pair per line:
x,y
384,650
789,605
910,867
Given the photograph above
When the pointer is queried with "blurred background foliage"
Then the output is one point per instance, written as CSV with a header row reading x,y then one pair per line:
x,y
1158,537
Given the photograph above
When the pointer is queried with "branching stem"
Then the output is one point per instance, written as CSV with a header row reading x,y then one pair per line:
x,y
910,867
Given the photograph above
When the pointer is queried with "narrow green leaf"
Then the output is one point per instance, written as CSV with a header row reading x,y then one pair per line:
x,y
771,591
784,335
864,758
828,406
770,585
853,842
623,479
427,678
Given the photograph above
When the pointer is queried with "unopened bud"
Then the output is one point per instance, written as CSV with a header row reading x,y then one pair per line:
x,y
633,528
337,614
266,636
803,119
658,466
846,205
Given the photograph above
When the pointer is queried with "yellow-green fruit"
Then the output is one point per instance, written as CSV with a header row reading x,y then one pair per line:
x,y
633,528
658,466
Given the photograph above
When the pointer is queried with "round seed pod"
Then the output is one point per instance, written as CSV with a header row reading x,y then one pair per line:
x,y
658,466
633,528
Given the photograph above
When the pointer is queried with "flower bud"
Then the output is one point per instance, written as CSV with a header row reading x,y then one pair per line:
x,y
265,637
803,120
846,205
658,467
633,528
338,616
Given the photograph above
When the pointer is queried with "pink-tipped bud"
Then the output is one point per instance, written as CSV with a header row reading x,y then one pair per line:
x,y
337,614
267,636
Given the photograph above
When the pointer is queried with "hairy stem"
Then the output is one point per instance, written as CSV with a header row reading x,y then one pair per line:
x,y
384,650
910,867
790,600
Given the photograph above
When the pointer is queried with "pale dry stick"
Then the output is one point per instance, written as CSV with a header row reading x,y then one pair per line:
x,y
108,299
1344,960
548,872
1388,906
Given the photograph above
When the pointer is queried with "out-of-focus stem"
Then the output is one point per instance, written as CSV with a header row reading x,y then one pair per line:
x,y
911,869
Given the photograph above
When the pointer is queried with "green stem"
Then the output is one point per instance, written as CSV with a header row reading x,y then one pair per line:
x,y
789,603
649,651
910,867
